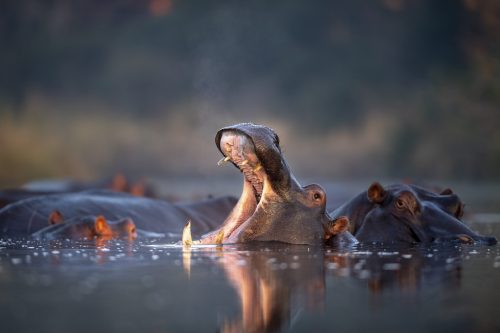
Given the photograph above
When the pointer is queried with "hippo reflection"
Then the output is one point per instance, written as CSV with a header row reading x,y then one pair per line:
x,y
401,269
408,213
273,205
272,286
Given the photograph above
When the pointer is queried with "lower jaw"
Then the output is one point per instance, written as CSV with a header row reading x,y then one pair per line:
x,y
244,209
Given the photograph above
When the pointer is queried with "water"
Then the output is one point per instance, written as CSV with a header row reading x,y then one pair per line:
x,y
148,287
77,286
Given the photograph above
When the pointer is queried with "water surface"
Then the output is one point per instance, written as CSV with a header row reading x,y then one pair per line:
x,y
153,286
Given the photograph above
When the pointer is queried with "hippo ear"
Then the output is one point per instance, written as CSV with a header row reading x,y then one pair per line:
x,y
130,228
119,183
56,218
341,225
446,191
337,226
465,239
138,189
101,226
376,193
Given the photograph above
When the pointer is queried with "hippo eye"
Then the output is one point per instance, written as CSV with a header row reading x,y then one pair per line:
x,y
317,196
400,204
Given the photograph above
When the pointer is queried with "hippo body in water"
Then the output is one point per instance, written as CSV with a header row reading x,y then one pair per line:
x,y
9,196
25,217
86,227
406,214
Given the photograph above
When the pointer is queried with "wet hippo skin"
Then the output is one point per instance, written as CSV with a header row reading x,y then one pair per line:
x,y
408,213
9,196
30,215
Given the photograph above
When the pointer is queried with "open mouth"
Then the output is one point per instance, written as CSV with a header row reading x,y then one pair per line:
x,y
239,149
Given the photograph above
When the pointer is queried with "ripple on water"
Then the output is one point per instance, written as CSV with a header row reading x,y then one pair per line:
x,y
151,278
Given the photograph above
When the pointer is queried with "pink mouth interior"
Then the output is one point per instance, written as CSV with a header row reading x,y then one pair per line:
x,y
239,149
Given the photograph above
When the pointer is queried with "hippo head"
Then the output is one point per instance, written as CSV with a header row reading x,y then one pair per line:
x,y
273,206
406,213
86,227
446,200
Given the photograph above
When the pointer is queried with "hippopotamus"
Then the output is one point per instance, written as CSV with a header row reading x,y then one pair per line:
x,y
86,227
28,216
405,213
273,205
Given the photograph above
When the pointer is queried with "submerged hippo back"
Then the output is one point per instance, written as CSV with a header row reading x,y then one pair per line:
x,y
30,215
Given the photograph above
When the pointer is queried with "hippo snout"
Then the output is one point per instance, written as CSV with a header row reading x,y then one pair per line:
x,y
487,240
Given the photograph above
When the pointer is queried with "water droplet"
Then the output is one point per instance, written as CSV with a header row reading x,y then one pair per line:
x,y
392,266
16,261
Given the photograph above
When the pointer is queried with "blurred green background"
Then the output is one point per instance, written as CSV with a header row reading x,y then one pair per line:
x,y
386,88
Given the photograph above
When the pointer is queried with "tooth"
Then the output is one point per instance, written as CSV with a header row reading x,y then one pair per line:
x,y
245,162
257,168
223,160
187,240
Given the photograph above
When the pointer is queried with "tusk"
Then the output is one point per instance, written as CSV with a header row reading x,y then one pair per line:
x,y
257,168
223,160
186,234
245,162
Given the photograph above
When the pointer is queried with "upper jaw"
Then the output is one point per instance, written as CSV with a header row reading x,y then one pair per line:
x,y
265,154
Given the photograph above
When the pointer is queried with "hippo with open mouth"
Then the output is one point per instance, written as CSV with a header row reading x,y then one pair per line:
x,y
407,214
273,205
